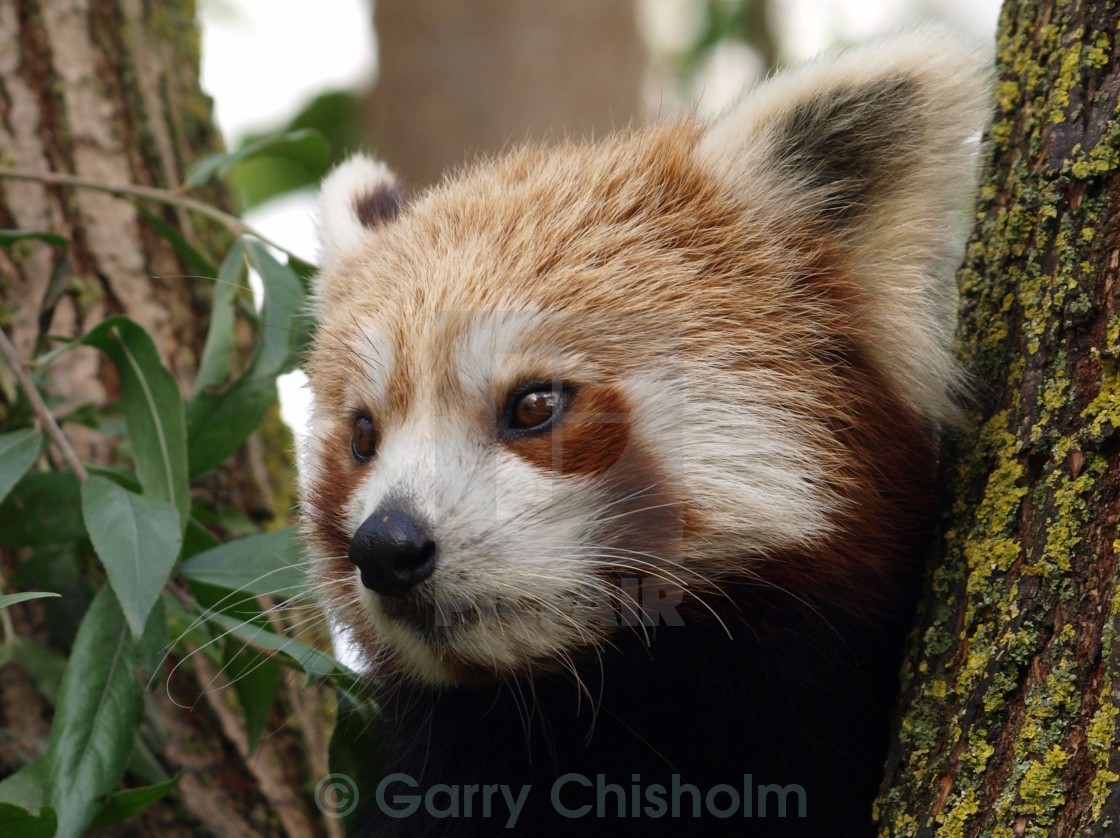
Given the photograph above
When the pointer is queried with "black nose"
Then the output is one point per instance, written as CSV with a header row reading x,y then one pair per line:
x,y
393,551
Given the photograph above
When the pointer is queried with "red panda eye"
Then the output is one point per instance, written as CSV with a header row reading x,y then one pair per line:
x,y
363,439
535,409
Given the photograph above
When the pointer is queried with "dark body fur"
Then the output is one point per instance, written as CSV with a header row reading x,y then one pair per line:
x,y
689,704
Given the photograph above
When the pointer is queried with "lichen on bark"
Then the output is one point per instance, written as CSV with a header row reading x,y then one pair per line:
x,y
1008,719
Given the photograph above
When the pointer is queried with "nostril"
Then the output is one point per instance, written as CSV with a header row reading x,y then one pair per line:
x,y
393,551
424,557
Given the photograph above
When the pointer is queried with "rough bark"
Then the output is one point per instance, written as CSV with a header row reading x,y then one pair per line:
x,y
109,91
1011,688
468,77
104,91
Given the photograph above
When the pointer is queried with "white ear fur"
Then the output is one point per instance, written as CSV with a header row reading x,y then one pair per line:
x,y
877,149
344,205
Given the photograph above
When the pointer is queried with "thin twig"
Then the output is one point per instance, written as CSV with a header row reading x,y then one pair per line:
x,y
19,366
180,594
6,620
151,193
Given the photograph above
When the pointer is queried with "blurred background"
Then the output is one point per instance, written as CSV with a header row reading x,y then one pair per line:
x,y
428,85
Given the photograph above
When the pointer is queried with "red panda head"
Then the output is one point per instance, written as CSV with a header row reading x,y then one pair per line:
x,y
575,381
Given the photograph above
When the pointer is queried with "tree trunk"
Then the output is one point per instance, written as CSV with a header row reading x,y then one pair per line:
x,y
109,92
1011,687
460,79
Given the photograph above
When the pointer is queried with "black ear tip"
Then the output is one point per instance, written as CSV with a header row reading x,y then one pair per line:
x,y
851,145
377,207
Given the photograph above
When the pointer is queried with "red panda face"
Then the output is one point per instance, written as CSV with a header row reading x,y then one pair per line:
x,y
579,385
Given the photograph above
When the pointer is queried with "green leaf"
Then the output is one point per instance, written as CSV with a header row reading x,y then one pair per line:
x,y
304,144
128,802
44,665
12,599
264,177
18,451
64,568
27,787
255,679
19,823
142,762
197,539
359,746
120,475
214,367
10,237
99,707
61,277
218,422
155,643
185,627
316,664
39,498
137,538
170,233
304,270
338,115
153,410
270,563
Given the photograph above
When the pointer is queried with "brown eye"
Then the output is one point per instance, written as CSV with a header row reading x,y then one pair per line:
x,y
363,439
534,408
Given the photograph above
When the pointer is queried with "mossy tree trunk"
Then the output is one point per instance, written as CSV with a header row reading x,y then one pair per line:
x,y
1011,688
109,92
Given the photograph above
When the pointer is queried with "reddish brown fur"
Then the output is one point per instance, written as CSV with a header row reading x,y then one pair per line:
x,y
589,439
323,512
639,240
333,487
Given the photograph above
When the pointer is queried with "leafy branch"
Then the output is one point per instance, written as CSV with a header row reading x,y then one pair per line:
x,y
171,197
19,367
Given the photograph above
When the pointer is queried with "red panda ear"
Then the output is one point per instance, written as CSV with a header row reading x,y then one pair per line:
x,y
875,149
359,195
842,137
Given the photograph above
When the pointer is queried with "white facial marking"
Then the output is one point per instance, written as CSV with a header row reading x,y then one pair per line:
x,y
520,549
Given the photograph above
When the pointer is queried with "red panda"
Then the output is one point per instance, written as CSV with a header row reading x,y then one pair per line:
x,y
623,453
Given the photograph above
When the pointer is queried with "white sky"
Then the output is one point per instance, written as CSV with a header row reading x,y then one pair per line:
x,y
262,60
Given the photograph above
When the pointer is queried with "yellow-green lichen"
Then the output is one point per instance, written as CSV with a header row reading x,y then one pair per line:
x,y
1063,528
977,756
1104,409
1102,159
1096,56
1043,789
1100,733
1004,489
1068,75
957,814
1037,786
1007,95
